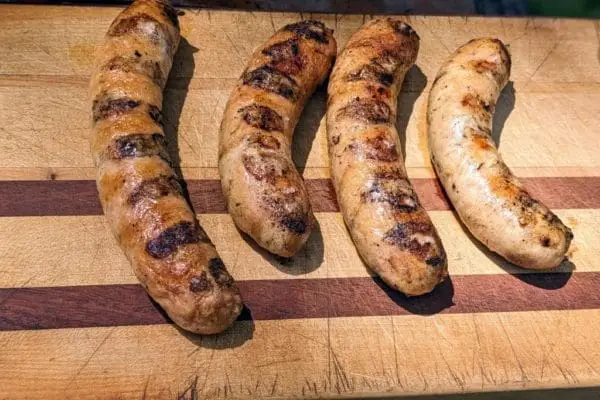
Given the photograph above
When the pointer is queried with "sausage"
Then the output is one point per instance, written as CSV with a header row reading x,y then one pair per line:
x,y
391,230
265,194
489,199
141,194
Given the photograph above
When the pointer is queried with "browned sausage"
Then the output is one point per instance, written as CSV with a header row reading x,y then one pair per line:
x,y
265,194
391,230
140,193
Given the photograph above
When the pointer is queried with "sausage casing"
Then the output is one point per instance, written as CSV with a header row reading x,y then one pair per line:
x,y
140,192
391,230
265,194
489,199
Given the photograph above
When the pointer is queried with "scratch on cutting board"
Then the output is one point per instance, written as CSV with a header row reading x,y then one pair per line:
x,y
146,387
191,389
342,383
274,387
512,347
554,46
85,364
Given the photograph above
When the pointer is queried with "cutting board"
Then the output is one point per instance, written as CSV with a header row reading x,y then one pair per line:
x,y
74,323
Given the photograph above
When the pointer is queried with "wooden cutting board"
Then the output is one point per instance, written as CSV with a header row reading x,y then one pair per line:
x,y
75,324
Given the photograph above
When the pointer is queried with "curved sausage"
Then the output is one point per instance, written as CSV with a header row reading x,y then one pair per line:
x,y
391,230
489,199
265,194
140,193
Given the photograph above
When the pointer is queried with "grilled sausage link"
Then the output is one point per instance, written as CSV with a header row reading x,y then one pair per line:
x,y
140,193
265,194
391,230
489,199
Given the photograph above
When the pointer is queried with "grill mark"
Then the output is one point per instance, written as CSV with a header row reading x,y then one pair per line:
x,y
265,167
168,11
381,149
483,131
285,56
373,72
481,142
482,66
478,106
405,235
217,270
378,92
169,240
295,223
156,114
312,30
153,189
378,148
393,173
528,207
505,54
133,25
107,108
279,206
138,145
262,117
271,80
435,261
200,283
266,142
398,193
402,28
282,195
367,110
136,65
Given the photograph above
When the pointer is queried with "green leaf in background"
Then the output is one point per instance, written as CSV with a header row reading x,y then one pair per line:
x,y
565,8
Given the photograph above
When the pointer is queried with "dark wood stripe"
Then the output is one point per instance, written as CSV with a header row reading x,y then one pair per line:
x,y
42,198
120,305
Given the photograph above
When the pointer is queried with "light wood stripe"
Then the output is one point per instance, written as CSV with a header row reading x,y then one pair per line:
x,y
42,142
468,352
63,251
72,50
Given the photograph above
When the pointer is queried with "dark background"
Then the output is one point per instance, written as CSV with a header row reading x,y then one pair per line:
x,y
554,8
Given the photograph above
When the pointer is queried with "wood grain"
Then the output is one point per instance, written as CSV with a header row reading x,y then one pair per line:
x,y
321,326
81,250
313,358
539,107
